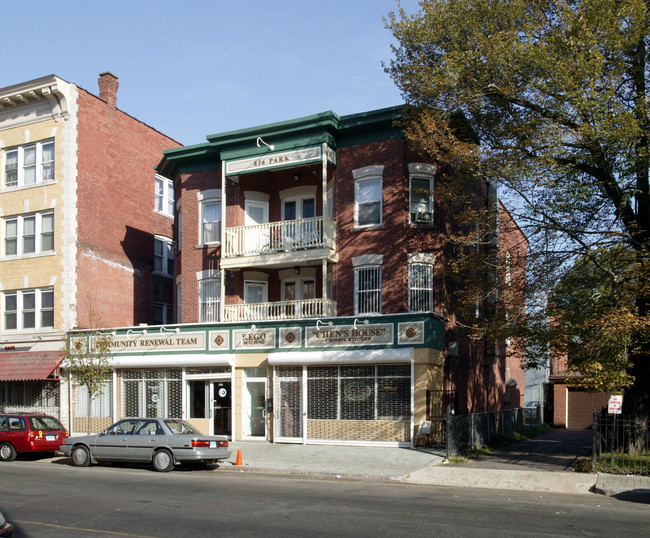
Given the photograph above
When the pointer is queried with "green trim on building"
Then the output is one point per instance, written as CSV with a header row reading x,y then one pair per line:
x,y
428,332
309,131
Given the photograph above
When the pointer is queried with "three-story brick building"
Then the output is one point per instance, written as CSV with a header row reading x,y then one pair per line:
x,y
311,291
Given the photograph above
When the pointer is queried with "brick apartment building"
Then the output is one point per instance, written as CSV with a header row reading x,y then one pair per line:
x,y
311,295
86,230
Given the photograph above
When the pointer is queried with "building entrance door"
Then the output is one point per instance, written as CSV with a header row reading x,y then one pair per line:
x,y
221,407
255,409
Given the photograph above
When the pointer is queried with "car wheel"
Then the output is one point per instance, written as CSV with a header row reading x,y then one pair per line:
x,y
7,452
80,456
163,461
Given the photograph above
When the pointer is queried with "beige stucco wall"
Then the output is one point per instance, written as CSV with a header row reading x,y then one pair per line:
x,y
37,271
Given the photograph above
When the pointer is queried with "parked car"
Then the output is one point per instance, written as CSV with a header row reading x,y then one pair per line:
x,y
6,528
29,433
532,408
161,442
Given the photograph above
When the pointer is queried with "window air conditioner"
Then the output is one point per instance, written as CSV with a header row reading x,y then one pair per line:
x,y
421,216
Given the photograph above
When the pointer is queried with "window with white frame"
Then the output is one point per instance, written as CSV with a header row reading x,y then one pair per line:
x,y
210,221
30,234
28,309
421,192
163,256
164,202
420,287
368,196
210,299
420,272
367,289
29,164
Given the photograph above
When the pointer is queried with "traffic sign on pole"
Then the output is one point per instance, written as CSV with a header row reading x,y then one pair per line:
x,y
615,404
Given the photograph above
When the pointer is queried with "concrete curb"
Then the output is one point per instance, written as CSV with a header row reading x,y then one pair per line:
x,y
627,487
316,473
539,481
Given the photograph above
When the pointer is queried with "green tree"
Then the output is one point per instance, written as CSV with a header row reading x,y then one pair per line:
x,y
593,320
87,355
554,106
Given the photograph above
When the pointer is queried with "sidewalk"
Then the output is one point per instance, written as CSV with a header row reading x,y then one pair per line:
x,y
334,461
428,467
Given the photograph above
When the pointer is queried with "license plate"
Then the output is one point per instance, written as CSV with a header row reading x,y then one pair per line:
x,y
50,437
213,444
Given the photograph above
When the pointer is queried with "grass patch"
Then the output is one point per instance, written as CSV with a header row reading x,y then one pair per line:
x,y
458,460
620,463
582,465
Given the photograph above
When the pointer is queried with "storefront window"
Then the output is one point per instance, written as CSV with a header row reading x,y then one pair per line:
x,y
381,392
152,393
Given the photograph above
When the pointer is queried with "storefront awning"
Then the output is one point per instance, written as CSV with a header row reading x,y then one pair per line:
x,y
341,357
29,365
172,361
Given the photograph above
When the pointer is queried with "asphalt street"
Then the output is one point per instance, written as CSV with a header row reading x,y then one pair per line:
x,y
53,499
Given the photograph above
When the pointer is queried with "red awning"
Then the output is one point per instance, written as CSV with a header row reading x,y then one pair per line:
x,y
28,365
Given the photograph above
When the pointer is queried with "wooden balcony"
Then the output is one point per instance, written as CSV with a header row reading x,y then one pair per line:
x,y
275,243
306,308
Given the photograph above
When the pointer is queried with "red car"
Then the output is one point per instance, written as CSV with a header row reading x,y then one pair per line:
x,y
29,433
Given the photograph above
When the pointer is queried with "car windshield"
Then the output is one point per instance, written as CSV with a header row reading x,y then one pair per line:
x,y
45,423
180,427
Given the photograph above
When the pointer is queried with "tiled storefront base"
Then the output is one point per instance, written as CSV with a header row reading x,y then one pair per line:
x,y
359,430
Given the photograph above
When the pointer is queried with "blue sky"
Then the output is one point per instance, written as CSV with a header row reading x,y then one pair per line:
x,y
201,67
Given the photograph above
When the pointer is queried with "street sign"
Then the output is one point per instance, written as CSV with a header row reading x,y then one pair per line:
x,y
615,404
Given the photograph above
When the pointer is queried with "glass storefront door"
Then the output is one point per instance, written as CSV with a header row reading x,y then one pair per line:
x,y
222,407
255,408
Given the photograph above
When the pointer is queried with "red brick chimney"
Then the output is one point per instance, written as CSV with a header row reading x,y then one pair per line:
x,y
108,85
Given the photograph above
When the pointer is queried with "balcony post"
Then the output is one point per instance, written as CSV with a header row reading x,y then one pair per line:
x,y
325,238
222,279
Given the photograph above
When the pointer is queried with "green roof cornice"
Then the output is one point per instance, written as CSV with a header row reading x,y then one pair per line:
x,y
309,131
198,150
284,129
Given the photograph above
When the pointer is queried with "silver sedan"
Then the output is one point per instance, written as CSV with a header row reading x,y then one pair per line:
x,y
161,442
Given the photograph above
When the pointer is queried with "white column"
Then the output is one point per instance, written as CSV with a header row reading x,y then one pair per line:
x,y
222,273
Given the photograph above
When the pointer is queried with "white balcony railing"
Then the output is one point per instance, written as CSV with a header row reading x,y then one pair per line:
x,y
306,308
282,236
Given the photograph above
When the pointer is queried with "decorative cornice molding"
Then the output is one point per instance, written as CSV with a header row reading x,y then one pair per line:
x,y
48,90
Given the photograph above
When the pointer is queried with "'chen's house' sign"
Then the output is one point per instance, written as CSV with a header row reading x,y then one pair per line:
x,y
349,335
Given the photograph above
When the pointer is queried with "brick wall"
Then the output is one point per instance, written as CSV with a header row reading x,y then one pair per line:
x,y
481,384
194,258
394,239
116,218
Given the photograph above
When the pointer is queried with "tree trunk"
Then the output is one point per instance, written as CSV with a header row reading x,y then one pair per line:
x,y
637,397
90,403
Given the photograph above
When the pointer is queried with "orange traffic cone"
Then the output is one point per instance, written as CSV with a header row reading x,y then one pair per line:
x,y
238,460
